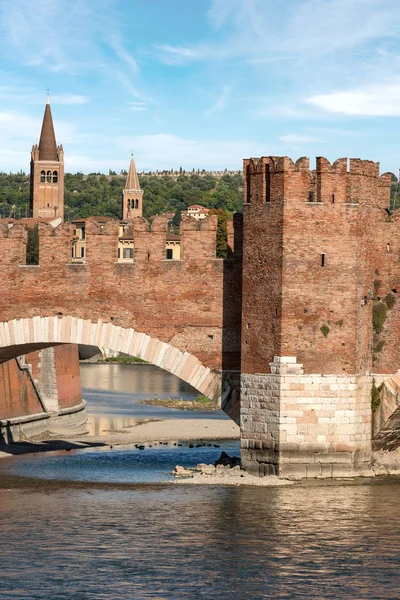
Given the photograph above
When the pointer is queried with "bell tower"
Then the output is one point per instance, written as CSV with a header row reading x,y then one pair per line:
x,y
132,196
47,172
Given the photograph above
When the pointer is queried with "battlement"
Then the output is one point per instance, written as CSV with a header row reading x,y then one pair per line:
x,y
101,241
279,179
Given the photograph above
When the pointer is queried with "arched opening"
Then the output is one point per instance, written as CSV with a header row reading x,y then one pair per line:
x,y
42,176
21,336
49,177
55,177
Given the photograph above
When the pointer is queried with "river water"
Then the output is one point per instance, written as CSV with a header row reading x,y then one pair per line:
x,y
95,524
114,392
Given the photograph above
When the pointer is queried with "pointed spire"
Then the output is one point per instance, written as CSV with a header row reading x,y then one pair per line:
x,y
47,142
132,181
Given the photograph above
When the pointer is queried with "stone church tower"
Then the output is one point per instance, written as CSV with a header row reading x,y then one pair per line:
x,y
132,198
47,172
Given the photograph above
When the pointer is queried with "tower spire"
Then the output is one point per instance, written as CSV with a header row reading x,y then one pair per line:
x,y
47,142
132,181
132,194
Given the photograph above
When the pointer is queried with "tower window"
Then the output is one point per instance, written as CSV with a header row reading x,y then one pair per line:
x,y
48,178
82,252
267,184
248,191
311,196
55,177
136,203
169,254
42,176
322,260
333,198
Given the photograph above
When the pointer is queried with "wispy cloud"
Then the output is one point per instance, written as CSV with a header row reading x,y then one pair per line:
x,y
221,102
164,151
138,106
371,100
177,55
294,139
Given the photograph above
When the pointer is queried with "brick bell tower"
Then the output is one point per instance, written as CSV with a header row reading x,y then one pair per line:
x,y
47,172
132,196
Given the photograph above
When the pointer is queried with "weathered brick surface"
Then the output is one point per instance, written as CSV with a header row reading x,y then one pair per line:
x,y
320,251
18,396
68,375
288,294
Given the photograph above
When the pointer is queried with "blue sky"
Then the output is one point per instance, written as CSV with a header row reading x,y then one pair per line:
x,y
200,83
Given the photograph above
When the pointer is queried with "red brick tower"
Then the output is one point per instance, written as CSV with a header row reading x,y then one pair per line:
x,y
47,172
132,201
314,243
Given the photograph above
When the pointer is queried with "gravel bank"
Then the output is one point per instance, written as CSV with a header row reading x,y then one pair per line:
x,y
151,431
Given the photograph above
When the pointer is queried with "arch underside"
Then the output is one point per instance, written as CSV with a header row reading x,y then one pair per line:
x,y
387,417
21,336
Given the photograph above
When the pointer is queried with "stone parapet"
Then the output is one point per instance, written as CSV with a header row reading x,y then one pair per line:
x,y
298,426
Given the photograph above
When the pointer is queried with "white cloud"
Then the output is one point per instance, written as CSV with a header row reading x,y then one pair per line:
x,y
164,151
370,100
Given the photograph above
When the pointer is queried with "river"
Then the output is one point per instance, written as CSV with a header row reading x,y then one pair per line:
x,y
95,524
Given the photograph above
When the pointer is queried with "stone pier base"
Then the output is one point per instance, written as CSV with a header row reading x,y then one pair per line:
x,y
301,426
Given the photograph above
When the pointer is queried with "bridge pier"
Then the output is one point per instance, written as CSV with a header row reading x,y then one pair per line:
x,y
302,426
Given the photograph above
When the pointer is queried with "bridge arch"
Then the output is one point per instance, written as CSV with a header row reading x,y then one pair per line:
x,y
20,336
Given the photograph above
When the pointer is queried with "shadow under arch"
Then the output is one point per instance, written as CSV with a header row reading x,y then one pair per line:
x,y
386,418
21,336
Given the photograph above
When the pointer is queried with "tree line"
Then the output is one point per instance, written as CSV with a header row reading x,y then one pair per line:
x,y
96,194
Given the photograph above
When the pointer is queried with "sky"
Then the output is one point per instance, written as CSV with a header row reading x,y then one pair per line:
x,y
200,83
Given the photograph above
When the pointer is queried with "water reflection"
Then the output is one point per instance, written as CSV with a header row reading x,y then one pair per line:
x,y
140,380
113,394
323,542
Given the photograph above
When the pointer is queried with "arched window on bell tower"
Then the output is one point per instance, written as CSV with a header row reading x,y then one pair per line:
x,y
55,177
42,176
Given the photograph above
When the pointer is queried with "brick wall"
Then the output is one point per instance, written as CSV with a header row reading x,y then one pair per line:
x,y
18,396
312,245
180,302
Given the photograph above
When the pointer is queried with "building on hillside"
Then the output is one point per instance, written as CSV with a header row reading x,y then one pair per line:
x,y
125,243
125,240
196,211
173,246
47,173
132,196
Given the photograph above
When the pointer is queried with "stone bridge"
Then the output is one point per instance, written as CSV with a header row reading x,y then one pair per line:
x,y
182,315
304,310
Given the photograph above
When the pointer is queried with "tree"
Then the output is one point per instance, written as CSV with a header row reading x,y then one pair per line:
x,y
32,246
222,235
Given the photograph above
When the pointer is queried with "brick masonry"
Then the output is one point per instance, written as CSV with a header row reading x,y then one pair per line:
x,y
320,254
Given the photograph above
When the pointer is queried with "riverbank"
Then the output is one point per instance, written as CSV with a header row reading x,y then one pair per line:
x,y
168,430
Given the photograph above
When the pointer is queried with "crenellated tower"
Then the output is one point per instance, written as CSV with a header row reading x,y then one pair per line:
x,y
132,197
47,172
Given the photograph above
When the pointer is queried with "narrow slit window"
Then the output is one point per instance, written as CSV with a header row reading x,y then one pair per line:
x,y
248,193
322,260
333,198
267,184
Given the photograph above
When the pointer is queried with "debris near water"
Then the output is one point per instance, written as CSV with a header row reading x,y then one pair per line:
x,y
224,465
200,404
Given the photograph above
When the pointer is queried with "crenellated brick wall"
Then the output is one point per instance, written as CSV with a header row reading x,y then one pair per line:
x,y
193,303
